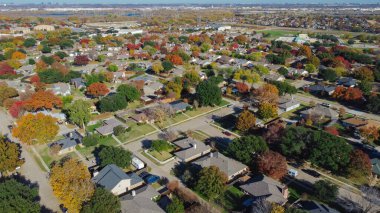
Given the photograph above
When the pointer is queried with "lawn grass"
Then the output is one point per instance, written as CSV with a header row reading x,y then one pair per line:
x,y
279,33
199,135
294,194
134,105
104,141
136,131
91,128
170,121
48,158
150,158
294,114
161,156
231,199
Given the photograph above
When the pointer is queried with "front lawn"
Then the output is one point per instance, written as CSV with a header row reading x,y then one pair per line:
x,y
170,121
295,113
231,200
104,141
137,130
161,156
44,151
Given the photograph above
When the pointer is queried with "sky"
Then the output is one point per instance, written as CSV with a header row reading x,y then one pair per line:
x,y
185,1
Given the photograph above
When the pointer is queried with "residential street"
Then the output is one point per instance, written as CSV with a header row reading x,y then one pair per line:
x,y
31,170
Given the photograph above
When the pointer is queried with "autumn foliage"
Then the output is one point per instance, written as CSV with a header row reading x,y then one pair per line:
x,y
332,130
175,59
42,100
268,93
5,69
242,87
348,94
245,121
97,89
35,129
16,109
71,183
360,164
272,164
81,60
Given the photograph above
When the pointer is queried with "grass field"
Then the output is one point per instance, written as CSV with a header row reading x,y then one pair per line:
x,y
105,141
279,33
161,156
136,131
231,199
169,121
47,157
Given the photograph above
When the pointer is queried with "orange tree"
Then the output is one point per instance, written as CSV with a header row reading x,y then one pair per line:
x,y
71,183
245,121
272,164
42,100
97,89
35,129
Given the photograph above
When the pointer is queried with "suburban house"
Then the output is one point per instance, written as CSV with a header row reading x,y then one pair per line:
x,y
78,83
114,179
321,112
141,118
347,82
140,201
229,166
263,187
61,89
108,126
321,89
354,123
273,77
314,207
61,117
179,106
191,149
287,104
69,142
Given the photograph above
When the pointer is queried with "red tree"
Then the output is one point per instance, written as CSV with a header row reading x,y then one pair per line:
x,y
16,108
34,79
175,59
332,130
5,69
242,87
350,94
97,89
81,60
272,164
360,162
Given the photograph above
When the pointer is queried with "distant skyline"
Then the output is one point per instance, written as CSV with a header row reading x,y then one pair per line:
x,y
188,1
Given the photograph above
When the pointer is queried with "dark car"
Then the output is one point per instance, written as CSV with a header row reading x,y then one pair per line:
x,y
312,172
227,133
151,179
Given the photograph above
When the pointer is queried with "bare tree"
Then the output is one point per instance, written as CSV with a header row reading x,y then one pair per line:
x,y
168,135
368,202
261,206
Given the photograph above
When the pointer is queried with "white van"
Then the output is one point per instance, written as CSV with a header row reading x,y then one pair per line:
x,y
292,173
137,163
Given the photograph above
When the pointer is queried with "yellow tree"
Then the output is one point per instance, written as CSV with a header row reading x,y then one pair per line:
x,y
268,93
35,129
245,121
9,155
71,183
157,67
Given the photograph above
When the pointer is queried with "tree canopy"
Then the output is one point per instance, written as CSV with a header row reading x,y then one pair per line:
x,y
245,121
115,155
208,94
211,183
102,201
9,155
131,93
18,197
79,112
244,148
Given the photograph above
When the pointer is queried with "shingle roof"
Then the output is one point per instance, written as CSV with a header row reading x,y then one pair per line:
x,y
375,165
227,165
179,105
321,111
108,126
71,140
141,202
259,186
111,175
314,207
190,147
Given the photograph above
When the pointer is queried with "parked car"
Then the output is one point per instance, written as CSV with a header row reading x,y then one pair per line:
x,y
227,133
292,173
312,172
151,179
326,104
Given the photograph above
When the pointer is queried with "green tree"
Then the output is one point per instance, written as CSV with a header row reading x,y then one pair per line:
x,y
326,191
245,121
113,103
79,112
208,94
30,42
160,145
173,88
46,49
176,206
91,140
374,104
17,197
113,68
131,93
9,155
294,141
310,68
101,202
211,183
167,65
365,87
115,155
328,74
245,147
267,110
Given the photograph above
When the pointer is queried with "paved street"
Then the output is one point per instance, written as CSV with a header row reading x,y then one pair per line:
x,y
31,170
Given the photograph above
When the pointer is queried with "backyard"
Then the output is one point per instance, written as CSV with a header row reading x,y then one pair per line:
x,y
231,199
137,130
104,141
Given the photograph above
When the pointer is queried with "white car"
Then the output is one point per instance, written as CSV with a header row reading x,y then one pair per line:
x,y
292,173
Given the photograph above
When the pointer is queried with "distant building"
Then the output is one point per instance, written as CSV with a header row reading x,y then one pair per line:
x,y
44,28
63,89
68,144
320,111
141,201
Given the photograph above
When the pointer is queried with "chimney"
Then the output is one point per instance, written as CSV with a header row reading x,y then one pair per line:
x,y
133,193
211,155
95,173
194,146
70,134
285,192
